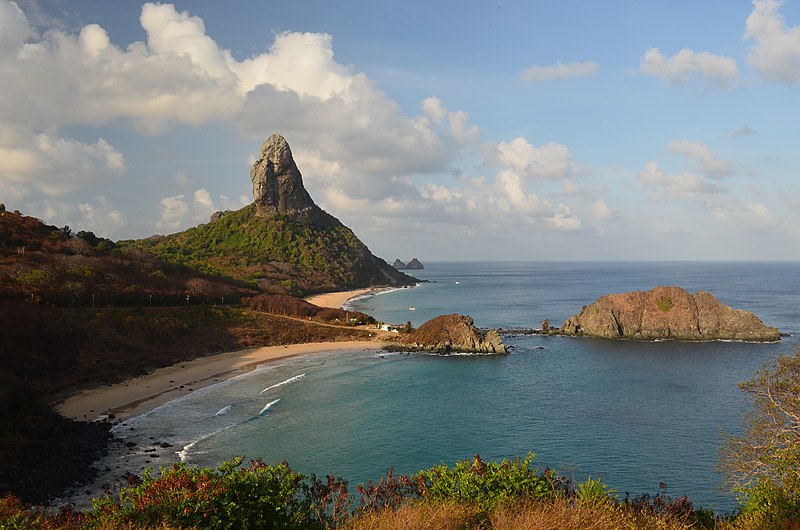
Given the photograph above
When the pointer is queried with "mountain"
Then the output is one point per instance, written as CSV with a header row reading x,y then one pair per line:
x,y
283,242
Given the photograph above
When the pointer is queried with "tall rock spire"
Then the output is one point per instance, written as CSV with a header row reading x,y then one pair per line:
x,y
277,183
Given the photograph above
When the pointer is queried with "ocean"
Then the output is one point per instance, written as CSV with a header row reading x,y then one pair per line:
x,y
633,414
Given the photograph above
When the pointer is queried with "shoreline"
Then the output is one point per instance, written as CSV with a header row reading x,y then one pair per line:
x,y
133,397
336,299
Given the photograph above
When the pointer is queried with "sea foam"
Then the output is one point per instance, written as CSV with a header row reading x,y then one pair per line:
x,y
290,380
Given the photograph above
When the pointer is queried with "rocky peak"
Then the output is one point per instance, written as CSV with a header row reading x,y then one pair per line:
x,y
277,183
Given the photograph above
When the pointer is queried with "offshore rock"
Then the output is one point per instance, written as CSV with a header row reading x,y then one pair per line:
x,y
399,265
667,313
454,334
277,183
414,264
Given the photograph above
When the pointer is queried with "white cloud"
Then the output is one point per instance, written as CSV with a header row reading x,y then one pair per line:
x,y
601,210
559,71
775,52
550,161
174,213
684,185
53,165
687,65
699,152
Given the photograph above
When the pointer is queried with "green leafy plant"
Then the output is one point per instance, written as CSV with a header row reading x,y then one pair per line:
x,y
488,484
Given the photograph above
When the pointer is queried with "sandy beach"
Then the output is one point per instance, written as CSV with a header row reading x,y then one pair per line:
x,y
335,300
136,396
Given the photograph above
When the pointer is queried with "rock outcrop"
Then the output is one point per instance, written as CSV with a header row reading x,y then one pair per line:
x,y
667,313
277,183
453,334
414,264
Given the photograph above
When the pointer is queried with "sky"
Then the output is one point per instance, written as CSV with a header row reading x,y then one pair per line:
x,y
569,130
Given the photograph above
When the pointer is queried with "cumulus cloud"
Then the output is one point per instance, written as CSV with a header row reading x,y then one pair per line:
x,y
360,153
687,65
775,52
685,185
700,153
98,216
53,165
559,71
179,211
550,161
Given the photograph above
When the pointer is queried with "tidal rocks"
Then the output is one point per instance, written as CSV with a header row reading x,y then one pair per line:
x,y
452,334
667,313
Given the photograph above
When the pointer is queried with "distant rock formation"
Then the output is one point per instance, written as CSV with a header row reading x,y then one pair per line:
x,y
277,183
414,264
218,215
667,313
454,333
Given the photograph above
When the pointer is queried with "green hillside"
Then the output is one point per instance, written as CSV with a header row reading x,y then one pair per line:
x,y
282,253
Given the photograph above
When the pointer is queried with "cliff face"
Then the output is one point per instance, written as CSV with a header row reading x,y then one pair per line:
x,y
277,183
667,313
454,333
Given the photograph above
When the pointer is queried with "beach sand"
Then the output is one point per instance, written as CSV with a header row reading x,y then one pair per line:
x,y
141,394
335,300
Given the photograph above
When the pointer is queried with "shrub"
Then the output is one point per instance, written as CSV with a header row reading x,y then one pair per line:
x,y
258,496
488,485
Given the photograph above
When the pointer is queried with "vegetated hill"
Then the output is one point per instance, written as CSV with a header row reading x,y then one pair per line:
x,y
283,242
283,253
49,264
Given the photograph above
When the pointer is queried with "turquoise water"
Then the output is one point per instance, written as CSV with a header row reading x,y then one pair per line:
x,y
635,414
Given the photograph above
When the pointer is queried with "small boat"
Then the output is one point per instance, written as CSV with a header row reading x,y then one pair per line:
x,y
412,308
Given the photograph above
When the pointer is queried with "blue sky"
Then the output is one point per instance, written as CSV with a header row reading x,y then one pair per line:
x,y
441,130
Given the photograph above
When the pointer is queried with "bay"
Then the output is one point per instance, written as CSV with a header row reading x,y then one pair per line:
x,y
634,414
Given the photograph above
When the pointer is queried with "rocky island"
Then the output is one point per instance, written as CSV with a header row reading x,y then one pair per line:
x,y
667,313
454,334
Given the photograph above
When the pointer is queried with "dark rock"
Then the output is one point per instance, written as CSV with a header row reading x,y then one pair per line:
x,y
414,264
454,333
667,313
399,265
218,215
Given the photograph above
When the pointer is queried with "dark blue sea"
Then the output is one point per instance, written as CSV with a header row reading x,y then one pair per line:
x,y
634,414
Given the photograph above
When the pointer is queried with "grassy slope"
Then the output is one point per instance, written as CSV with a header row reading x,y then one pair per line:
x,y
286,254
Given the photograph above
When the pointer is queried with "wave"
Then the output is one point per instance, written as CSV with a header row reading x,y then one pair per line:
x,y
290,380
224,410
268,406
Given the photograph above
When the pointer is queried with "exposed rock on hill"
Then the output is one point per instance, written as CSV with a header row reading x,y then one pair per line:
x,y
454,333
283,242
277,183
667,313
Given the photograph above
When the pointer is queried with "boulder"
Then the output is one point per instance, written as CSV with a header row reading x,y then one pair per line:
x,y
667,313
454,333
